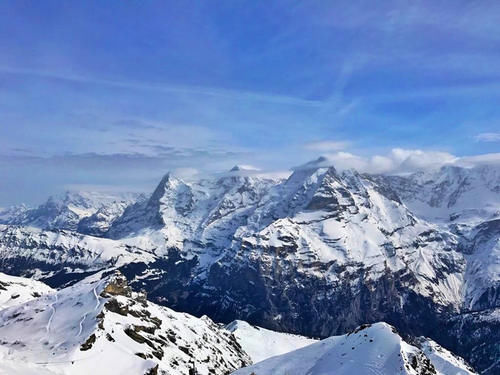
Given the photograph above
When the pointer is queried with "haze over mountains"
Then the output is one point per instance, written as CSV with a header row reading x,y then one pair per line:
x,y
316,254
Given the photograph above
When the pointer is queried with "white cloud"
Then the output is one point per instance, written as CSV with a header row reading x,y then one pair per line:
x,y
397,161
487,137
413,160
326,146
484,159
245,167
346,160
400,160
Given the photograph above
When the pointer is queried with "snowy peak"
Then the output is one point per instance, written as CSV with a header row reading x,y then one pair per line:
x,y
320,162
443,360
171,195
370,349
241,168
100,326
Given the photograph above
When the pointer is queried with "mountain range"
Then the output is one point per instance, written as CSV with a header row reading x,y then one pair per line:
x,y
316,254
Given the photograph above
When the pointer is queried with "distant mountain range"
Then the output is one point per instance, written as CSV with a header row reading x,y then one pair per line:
x,y
316,254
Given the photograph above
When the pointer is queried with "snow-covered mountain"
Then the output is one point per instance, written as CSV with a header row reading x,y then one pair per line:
x,y
61,254
260,343
315,254
318,223
87,212
375,349
100,326
451,194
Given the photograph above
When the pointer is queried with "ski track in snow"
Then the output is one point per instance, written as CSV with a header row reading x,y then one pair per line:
x,y
52,307
81,324
373,368
98,302
97,297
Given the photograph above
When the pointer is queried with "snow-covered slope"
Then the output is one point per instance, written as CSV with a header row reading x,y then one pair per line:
x,y
372,350
16,290
99,326
260,343
42,253
456,194
443,360
87,212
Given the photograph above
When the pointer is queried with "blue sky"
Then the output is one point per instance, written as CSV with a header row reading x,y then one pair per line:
x,y
111,95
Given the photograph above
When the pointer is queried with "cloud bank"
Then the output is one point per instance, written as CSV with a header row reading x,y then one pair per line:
x,y
399,161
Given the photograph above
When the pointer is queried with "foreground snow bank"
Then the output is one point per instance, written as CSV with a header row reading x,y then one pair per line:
x,y
260,343
100,327
369,350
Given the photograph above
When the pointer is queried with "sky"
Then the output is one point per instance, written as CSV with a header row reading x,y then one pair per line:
x,y
111,95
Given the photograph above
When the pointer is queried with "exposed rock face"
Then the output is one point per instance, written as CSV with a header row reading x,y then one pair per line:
x,y
117,286
476,337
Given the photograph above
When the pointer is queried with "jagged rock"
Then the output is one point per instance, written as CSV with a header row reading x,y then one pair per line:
x,y
118,286
88,344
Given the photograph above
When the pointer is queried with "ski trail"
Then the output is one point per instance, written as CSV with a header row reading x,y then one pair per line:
x,y
373,368
98,302
52,307
81,324
96,297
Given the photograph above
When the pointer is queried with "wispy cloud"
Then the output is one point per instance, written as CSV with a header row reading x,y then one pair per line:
x,y
166,88
326,146
487,137
120,104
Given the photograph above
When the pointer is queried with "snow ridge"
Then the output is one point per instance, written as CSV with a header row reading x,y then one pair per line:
x,y
369,350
